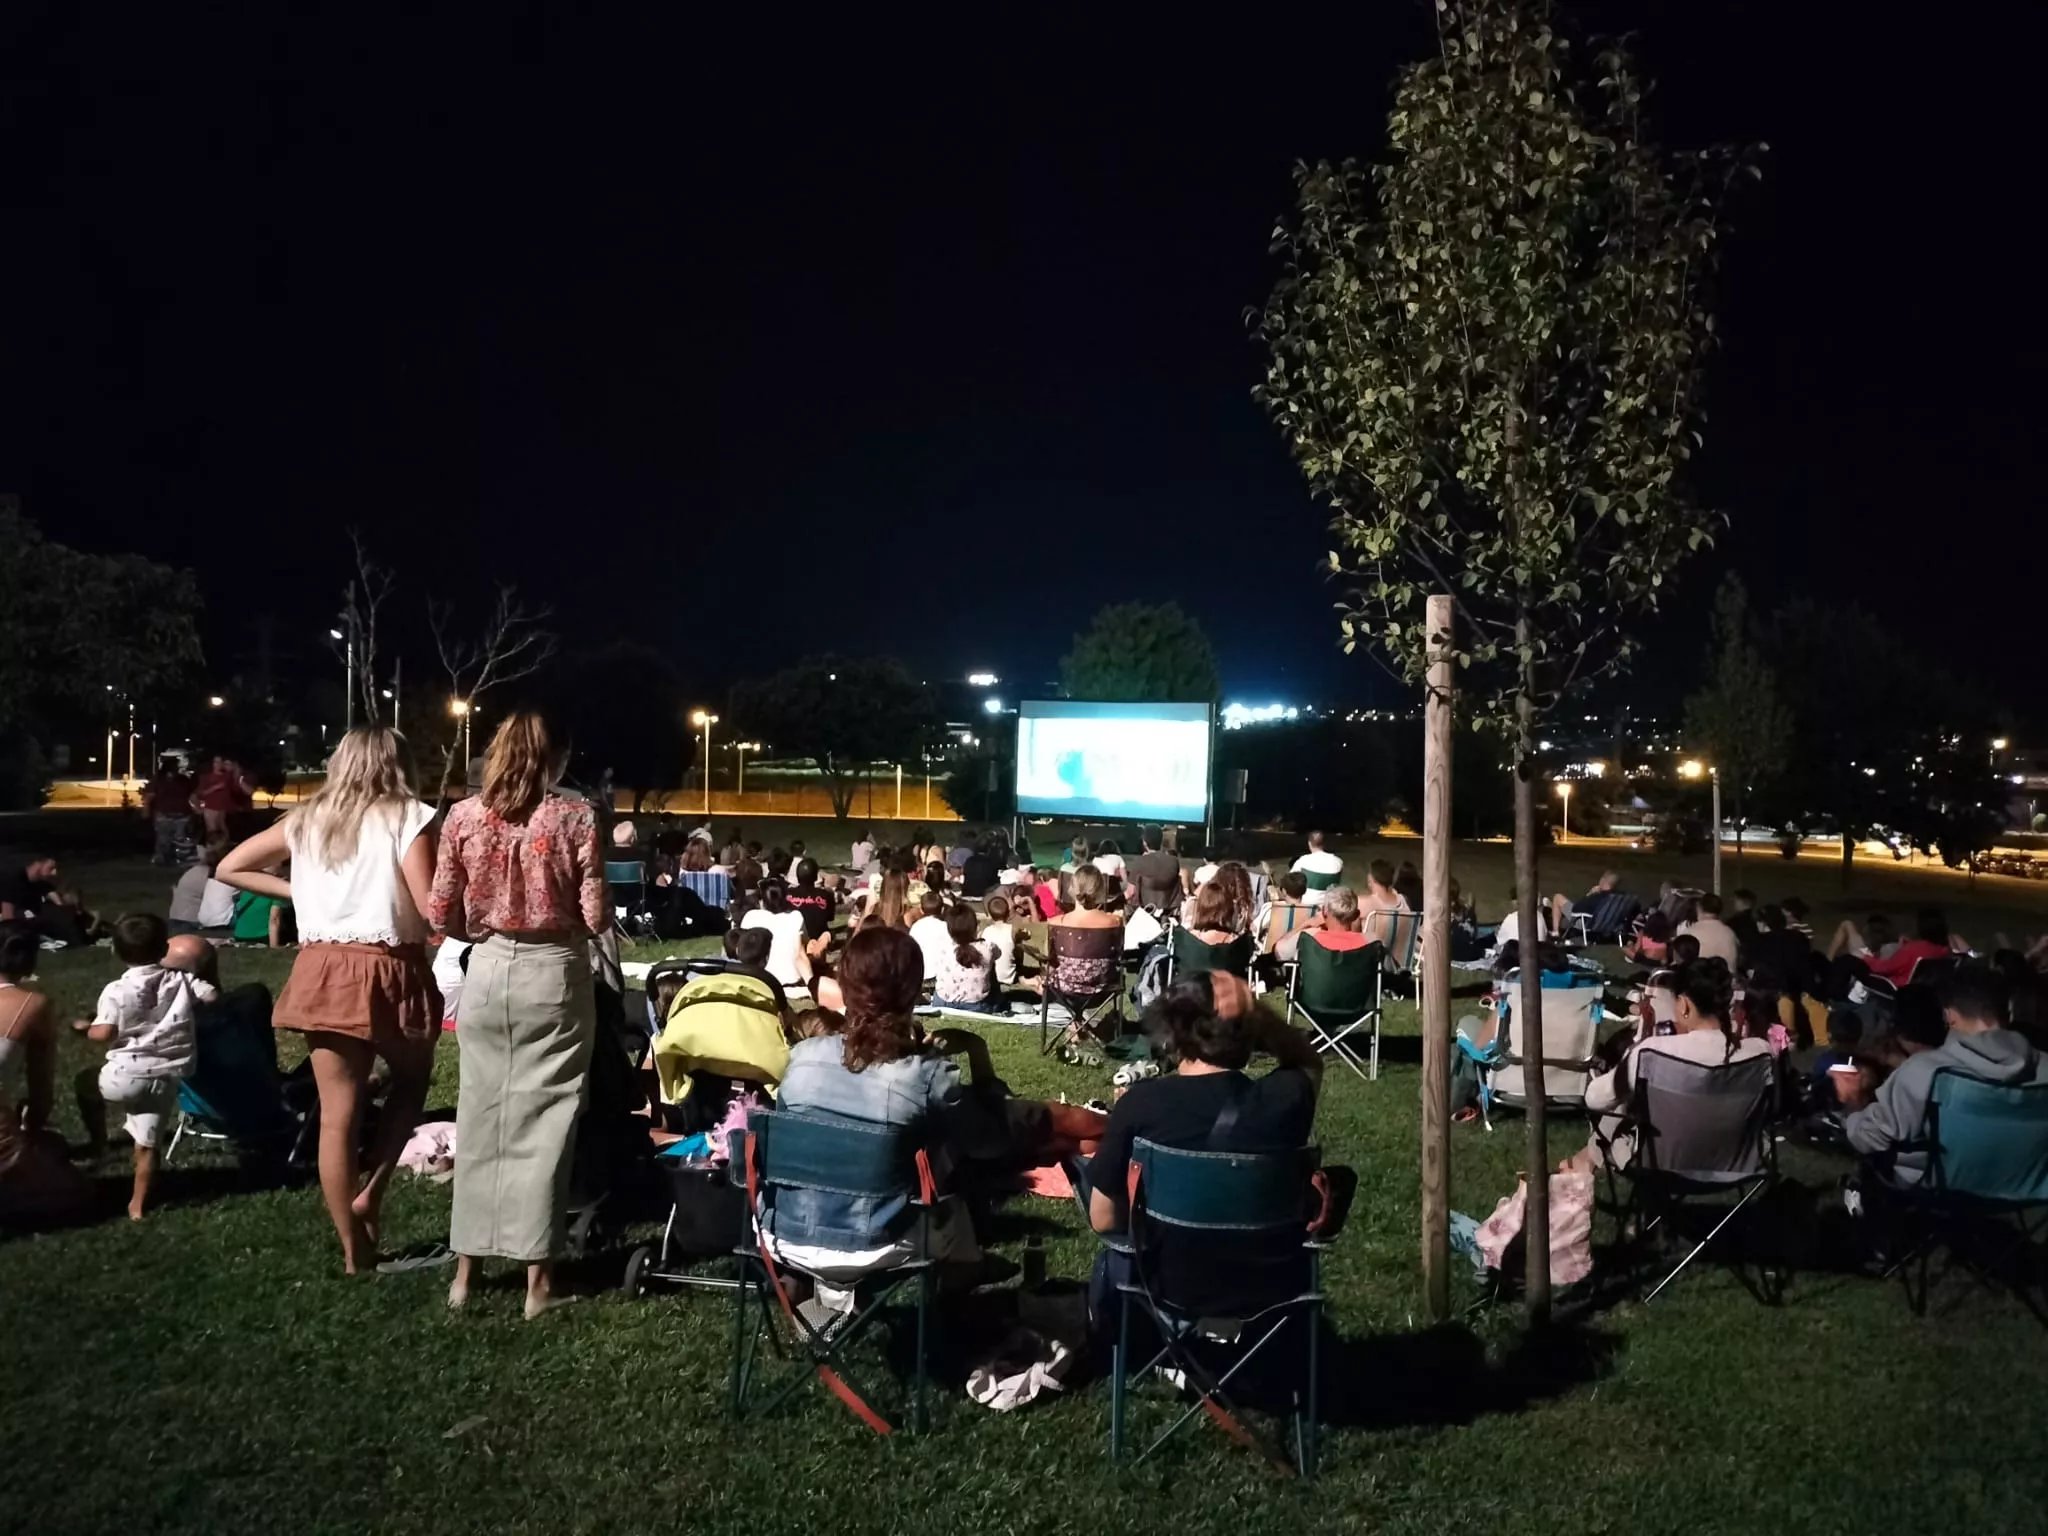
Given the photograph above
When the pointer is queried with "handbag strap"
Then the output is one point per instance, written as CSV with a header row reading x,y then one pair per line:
x,y
1226,1119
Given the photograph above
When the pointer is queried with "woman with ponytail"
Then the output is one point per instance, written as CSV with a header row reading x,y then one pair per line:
x,y
522,877
1703,995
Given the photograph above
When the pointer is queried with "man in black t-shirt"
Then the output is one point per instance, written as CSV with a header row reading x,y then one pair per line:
x,y
1155,873
815,902
978,874
1214,1024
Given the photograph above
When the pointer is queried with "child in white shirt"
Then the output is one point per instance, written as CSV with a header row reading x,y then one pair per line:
x,y
1001,937
151,1016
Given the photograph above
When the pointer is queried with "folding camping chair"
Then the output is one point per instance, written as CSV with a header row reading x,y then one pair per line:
x,y
235,1093
628,881
1403,942
1985,1186
1191,956
1701,1132
783,1151
1268,1217
1337,991
1084,973
1571,1024
1320,880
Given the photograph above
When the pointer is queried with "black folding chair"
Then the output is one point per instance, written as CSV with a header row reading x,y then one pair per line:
x,y
783,1151
1096,955
1702,1133
1266,1218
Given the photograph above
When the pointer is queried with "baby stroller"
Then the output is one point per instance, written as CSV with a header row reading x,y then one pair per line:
x,y
722,1039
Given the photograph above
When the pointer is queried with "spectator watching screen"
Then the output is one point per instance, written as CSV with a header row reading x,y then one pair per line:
x,y
1118,762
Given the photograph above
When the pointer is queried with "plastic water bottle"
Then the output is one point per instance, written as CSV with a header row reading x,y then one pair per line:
x,y
1034,1263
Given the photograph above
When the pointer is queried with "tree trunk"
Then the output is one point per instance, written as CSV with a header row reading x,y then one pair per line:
x,y
1536,1218
1435,974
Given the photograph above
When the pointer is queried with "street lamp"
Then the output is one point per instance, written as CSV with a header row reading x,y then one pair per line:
x,y
743,748
1564,793
214,701
1693,768
349,652
704,720
460,709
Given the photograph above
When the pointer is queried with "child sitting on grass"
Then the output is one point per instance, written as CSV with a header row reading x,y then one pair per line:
x,y
150,1014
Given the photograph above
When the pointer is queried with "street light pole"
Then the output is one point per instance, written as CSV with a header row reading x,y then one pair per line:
x,y
1715,775
704,720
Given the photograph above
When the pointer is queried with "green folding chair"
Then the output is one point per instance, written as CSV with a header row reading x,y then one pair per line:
x,y
783,1152
1336,992
1267,1217
1196,957
1319,880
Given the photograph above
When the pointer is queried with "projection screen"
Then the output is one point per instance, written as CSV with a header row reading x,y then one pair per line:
x,y
1113,762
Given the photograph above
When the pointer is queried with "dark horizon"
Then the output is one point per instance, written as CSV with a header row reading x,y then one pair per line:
x,y
745,346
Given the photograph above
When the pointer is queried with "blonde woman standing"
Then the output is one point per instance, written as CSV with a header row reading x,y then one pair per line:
x,y
362,868
521,875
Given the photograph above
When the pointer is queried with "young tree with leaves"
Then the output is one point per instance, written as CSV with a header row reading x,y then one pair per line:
x,y
1149,652
844,714
1737,720
1486,356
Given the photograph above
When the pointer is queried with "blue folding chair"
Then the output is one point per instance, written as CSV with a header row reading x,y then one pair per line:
x,y
1985,1191
1265,1219
785,1152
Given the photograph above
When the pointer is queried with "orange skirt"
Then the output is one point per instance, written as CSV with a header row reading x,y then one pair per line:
x,y
382,993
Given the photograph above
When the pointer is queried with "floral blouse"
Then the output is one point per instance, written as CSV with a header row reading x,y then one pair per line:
x,y
543,876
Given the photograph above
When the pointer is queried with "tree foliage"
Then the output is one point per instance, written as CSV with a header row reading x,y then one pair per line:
x,y
1887,742
1486,355
1150,652
843,714
1738,719
624,708
71,623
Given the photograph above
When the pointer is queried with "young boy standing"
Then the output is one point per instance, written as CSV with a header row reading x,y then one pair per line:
x,y
150,1014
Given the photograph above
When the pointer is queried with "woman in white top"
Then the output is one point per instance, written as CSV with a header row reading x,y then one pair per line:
x,y
1703,994
787,962
362,858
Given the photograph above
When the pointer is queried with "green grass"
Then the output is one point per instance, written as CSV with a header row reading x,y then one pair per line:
x,y
210,1370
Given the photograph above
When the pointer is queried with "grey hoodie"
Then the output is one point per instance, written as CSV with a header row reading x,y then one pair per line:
x,y
1899,1112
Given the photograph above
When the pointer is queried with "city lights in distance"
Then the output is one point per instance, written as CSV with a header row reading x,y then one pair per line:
x,y
993,705
1237,716
982,679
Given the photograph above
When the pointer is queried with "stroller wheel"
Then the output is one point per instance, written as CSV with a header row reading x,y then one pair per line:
x,y
638,1262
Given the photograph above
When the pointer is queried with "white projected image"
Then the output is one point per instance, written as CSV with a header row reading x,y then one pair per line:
x,y
1113,767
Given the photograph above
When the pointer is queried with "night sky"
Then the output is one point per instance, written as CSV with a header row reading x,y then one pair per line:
x,y
748,339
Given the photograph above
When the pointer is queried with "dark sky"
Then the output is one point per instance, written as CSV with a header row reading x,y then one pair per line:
x,y
746,338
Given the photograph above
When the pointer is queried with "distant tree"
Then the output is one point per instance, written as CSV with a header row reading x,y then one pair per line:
x,y
74,626
1737,720
624,708
1486,356
513,642
843,714
1887,741
72,623
1152,652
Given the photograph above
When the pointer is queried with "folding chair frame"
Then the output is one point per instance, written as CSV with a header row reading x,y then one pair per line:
x,y
1654,1195
1086,1011
822,1350
1338,1044
1182,1334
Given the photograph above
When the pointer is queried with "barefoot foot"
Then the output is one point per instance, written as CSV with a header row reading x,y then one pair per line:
x,y
546,1302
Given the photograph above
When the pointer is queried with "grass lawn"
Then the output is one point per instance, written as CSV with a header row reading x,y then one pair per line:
x,y
210,1370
